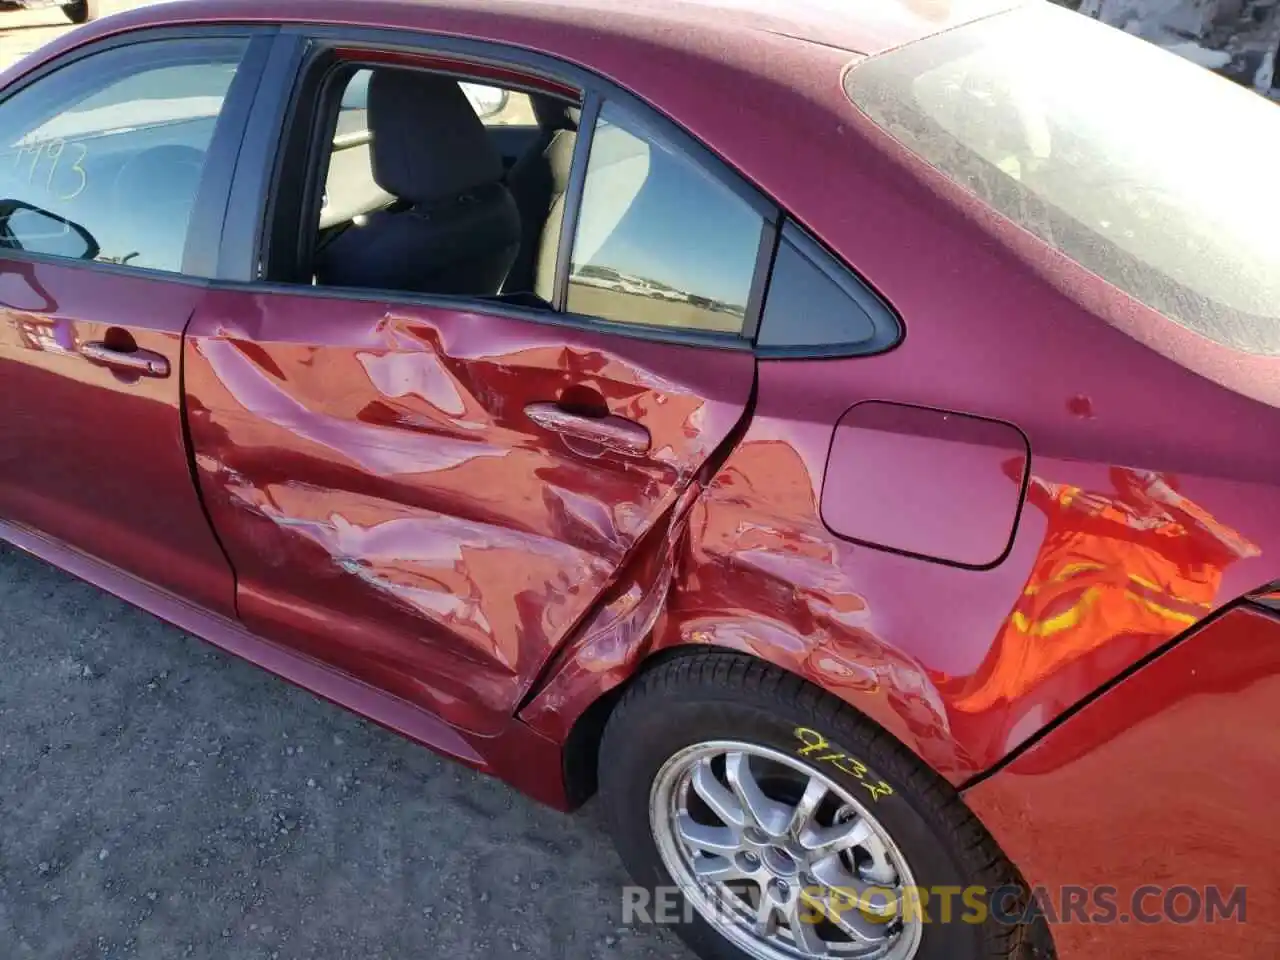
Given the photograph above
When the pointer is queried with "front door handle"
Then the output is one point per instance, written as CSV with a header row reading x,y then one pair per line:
x,y
613,433
141,363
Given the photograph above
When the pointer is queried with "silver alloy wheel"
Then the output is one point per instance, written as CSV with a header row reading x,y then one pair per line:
x,y
778,858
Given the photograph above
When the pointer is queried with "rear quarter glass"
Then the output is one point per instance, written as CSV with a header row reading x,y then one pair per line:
x,y
816,307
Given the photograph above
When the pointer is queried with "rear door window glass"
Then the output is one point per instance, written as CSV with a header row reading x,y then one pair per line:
x,y
496,106
660,241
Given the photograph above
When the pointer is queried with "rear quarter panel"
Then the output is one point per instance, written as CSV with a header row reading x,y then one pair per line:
x,y
962,665
1151,496
1151,491
1166,780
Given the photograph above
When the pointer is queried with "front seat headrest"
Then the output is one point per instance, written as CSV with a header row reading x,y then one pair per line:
x,y
427,142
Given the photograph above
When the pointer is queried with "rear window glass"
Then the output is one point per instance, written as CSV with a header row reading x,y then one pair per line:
x,y
1120,155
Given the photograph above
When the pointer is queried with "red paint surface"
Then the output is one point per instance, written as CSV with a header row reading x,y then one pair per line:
x,y
391,509
614,642
1169,778
874,29
90,456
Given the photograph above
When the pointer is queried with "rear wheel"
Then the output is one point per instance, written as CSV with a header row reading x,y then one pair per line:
x,y
785,827
82,11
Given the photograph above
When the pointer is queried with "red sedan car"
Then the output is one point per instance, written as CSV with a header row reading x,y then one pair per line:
x,y
845,436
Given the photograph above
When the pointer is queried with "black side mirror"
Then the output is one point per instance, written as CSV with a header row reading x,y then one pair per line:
x,y
27,227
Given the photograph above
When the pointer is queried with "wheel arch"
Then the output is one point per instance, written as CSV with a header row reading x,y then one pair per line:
x,y
582,738
582,744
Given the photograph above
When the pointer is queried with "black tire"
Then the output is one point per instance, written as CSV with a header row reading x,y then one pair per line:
x,y
709,696
82,11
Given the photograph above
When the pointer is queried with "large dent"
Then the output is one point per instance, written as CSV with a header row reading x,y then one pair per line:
x,y
389,506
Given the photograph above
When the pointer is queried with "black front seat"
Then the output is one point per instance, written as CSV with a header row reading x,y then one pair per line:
x,y
457,228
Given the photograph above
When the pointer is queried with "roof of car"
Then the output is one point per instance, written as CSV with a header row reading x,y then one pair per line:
x,y
723,69
864,28
758,81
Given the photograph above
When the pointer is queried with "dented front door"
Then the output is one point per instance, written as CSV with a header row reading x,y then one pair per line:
x,y
430,499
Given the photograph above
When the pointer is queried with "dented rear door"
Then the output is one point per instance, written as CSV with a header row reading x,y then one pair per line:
x,y
431,498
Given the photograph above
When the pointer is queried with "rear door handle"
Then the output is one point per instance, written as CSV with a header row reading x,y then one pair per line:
x,y
142,363
614,433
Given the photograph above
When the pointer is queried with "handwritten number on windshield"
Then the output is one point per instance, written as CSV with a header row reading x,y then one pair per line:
x,y
54,154
77,168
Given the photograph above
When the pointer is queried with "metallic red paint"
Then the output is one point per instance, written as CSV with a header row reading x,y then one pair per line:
x,y
616,639
875,29
93,456
1169,778
1097,577
392,509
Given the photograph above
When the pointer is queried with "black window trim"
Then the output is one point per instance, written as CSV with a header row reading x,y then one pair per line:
x,y
302,49
249,208
200,263
766,256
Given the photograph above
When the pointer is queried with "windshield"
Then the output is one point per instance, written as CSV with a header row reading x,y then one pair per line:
x,y
1122,156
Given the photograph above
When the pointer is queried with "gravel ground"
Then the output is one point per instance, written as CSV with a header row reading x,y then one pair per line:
x,y
159,798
